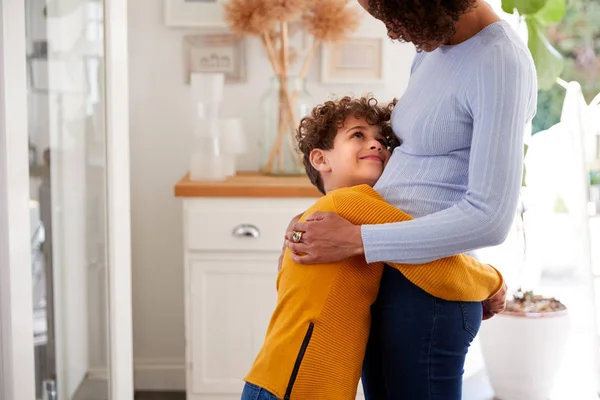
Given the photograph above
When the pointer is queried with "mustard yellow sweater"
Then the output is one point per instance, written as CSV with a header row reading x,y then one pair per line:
x,y
318,333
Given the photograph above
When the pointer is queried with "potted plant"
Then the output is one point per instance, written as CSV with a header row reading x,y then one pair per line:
x,y
524,346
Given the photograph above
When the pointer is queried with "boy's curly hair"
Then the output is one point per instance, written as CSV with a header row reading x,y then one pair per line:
x,y
318,130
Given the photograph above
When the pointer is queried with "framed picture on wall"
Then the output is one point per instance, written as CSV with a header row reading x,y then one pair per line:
x,y
356,60
210,53
195,13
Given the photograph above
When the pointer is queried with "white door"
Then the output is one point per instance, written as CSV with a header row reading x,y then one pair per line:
x,y
65,274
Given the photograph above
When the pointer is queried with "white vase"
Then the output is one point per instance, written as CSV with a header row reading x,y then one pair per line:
x,y
273,110
523,353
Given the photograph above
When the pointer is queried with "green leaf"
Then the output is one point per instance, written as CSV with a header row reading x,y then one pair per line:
x,y
524,7
508,6
548,61
553,11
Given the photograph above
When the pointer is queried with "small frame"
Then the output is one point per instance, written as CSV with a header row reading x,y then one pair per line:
x,y
215,53
356,60
195,13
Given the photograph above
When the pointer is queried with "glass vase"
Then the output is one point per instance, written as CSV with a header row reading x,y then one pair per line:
x,y
281,114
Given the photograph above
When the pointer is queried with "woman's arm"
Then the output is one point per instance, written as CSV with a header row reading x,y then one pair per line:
x,y
502,100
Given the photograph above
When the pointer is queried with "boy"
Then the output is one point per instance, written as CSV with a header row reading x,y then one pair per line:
x,y
318,333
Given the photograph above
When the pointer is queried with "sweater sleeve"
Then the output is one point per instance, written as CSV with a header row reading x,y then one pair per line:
x,y
501,100
455,278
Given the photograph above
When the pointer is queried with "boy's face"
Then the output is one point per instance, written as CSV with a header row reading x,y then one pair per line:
x,y
358,156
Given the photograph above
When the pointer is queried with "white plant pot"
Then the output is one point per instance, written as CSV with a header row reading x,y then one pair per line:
x,y
523,353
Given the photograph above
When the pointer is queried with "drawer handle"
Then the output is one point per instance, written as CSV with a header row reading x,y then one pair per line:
x,y
245,230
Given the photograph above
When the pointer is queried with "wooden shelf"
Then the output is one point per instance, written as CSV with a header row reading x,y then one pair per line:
x,y
248,184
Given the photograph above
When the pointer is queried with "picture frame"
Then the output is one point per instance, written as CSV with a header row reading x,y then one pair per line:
x,y
355,60
194,13
215,53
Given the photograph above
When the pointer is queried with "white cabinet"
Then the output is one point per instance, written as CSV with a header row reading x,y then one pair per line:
x,y
232,246
231,301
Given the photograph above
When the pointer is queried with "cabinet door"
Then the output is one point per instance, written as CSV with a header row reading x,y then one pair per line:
x,y
230,302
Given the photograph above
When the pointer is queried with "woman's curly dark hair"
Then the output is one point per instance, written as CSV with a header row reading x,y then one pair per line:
x,y
423,20
318,130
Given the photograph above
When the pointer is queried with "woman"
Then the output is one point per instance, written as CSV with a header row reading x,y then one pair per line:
x,y
462,118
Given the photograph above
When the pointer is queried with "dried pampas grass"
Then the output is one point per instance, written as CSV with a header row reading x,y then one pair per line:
x,y
247,17
325,20
331,20
284,10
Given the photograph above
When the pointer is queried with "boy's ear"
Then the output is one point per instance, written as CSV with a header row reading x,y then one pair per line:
x,y
318,159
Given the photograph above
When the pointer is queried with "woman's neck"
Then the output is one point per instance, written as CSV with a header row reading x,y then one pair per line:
x,y
473,22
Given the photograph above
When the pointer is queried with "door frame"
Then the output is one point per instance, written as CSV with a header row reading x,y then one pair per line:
x,y
118,200
17,375
16,310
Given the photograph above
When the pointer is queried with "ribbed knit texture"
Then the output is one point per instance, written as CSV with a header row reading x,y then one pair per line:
x,y
462,120
337,297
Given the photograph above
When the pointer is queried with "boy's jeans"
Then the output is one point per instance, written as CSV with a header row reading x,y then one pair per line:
x,y
253,392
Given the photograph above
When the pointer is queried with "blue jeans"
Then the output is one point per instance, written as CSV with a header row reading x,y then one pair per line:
x,y
418,343
253,392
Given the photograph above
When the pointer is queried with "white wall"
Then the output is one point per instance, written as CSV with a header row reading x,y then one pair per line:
x,y
161,117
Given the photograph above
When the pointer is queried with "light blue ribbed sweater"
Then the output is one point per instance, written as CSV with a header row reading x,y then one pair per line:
x,y
458,172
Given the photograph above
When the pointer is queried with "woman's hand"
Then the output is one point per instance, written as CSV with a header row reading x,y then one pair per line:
x,y
495,305
326,237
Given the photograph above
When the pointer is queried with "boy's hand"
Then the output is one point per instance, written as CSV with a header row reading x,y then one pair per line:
x,y
495,305
326,237
289,227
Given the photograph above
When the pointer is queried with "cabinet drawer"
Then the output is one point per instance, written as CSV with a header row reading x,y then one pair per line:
x,y
239,224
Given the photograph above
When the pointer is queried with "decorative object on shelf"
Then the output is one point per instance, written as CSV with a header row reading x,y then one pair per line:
x,y
287,160
524,346
215,53
356,60
216,141
194,13
274,21
233,141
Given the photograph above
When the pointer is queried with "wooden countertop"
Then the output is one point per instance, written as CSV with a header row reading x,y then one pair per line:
x,y
248,184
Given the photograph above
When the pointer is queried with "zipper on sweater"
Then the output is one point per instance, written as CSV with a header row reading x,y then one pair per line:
x,y
288,392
